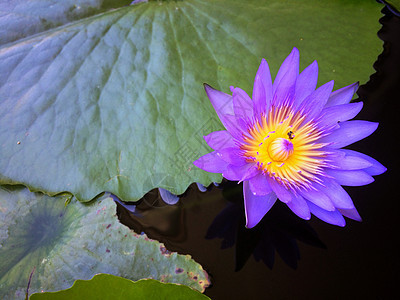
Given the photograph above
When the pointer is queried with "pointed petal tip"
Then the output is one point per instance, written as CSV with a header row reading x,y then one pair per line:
x,y
263,65
376,169
371,127
208,87
197,163
202,188
295,50
351,214
379,169
313,66
295,54
250,225
353,86
330,217
168,197
357,218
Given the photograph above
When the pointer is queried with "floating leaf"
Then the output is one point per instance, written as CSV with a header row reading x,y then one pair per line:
x,y
114,102
21,18
59,244
106,286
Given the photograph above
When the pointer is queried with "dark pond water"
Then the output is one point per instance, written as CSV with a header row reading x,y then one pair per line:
x,y
285,257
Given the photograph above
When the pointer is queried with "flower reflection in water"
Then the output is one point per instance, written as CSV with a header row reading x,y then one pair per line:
x,y
277,232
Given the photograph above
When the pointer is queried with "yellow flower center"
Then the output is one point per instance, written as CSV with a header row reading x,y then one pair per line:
x,y
280,149
284,147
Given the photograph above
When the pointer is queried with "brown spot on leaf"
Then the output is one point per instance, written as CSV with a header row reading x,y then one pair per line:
x,y
164,251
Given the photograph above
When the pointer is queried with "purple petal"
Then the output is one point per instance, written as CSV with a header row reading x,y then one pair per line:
x,y
331,217
376,167
232,155
233,126
251,172
343,95
221,102
289,64
299,206
306,82
219,139
350,178
259,185
256,206
343,160
318,198
131,207
281,192
337,194
339,113
211,162
315,102
223,105
202,188
240,173
284,83
168,197
348,133
350,213
262,90
242,104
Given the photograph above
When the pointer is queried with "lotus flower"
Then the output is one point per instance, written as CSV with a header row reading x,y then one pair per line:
x,y
286,143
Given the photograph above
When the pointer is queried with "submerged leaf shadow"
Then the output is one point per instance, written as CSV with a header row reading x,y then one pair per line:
x,y
278,231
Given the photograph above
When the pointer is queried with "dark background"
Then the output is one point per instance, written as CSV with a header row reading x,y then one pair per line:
x,y
298,259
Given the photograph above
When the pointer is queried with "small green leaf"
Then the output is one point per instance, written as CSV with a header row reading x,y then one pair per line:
x,y
114,102
59,244
106,286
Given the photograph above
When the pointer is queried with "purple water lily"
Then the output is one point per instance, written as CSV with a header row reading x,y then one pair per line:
x,y
285,143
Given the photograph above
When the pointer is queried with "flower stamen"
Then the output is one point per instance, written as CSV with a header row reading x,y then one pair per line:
x,y
293,160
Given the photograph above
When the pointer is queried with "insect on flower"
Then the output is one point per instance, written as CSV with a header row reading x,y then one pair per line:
x,y
286,143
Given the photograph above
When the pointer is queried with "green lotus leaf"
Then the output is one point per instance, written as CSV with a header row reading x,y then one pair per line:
x,y
106,286
115,102
59,243
394,4
21,18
